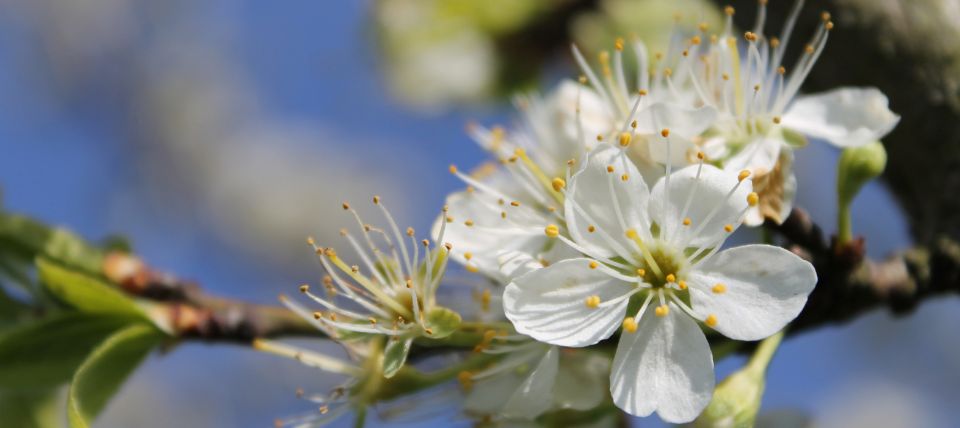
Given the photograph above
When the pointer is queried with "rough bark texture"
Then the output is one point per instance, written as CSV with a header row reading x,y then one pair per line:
x,y
910,49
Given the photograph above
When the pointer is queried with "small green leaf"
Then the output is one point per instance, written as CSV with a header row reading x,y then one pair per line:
x,y
85,293
70,250
22,235
395,354
11,310
442,321
29,409
105,370
47,353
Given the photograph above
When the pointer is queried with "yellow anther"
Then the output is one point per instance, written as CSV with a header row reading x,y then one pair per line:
x,y
449,219
671,278
515,203
661,310
825,16
409,231
781,70
558,184
719,288
593,301
309,241
355,268
552,231
665,132
376,199
453,169
304,288
426,243
372,320
428,331
633,125
333,317
623,177
486,297
829,26
618,44
713,38
599,137
696,40
641,93
501,202
503,214
756,88
743,175
631,233
470,189
711,320
610,168
409,284
808,49
703,26
659,55
728,228
466,380
728,10
448,246
330,252
677,16
593,265
726,76
686,52
467,256
591,229
629,325
774,42
571,162
641,272
472,269
520,151
625,139
667,72
776,120
582,79
343,232
686,222
346,206
753,199
468,222
317,315
512,159
682,285
552,209
699,155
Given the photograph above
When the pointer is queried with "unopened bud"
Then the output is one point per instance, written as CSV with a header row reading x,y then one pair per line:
x,y
857,166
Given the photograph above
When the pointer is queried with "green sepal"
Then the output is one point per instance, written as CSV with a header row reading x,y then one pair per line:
x,y
395,354
30,409
106,369
793,138
442,322
437,264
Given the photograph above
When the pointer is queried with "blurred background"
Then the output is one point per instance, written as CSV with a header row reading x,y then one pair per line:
x,y
218,135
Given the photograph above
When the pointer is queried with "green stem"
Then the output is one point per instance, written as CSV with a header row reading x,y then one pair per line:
x,y
764,353
361,417
844,227
486,326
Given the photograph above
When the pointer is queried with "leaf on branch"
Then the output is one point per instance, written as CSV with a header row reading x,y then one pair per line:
x,y
86,293
47,353
395,355
106,369
29,409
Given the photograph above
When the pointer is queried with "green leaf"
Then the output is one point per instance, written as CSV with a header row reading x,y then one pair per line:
x,y
29,409
22,235
395,354
11,310
85,293
442,321
105,370
47,353
70,250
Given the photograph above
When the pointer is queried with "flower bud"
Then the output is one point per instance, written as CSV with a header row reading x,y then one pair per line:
x,y
737,399
857,166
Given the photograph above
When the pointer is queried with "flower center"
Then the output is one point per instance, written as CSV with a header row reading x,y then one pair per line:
x,y
669,261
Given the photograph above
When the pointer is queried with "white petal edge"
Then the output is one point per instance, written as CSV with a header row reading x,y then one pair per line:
x,y
686,122
766,287
665,366
844,117
534,396
549,304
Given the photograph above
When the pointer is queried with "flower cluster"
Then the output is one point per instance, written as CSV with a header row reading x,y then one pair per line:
x,y
605,215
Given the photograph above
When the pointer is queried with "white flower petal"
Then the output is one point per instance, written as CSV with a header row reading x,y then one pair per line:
x,y
682,121
549,304
590,190
681,149
490,234
514,264
595,118
759,154
845,117
665,366
766,287
581,381
711,191
534,395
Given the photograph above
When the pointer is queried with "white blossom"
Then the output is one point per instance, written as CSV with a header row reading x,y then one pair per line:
x,y
653,265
